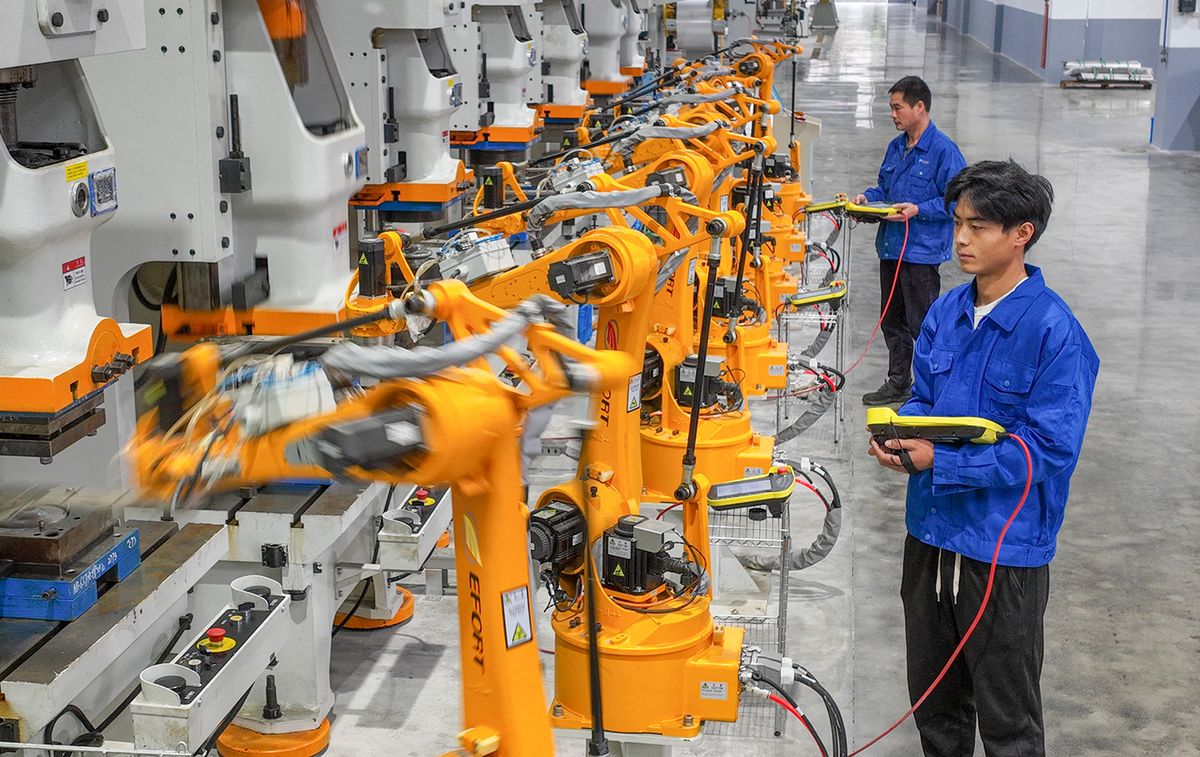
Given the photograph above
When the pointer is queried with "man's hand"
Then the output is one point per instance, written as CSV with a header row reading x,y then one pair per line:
x,y
904,212
919,450
859,200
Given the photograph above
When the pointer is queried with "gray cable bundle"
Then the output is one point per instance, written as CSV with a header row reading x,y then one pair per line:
x,y
397,362
645,133
808,556
592,200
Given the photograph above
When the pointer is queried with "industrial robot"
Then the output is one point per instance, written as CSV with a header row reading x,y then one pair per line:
x,y
249,235
406,427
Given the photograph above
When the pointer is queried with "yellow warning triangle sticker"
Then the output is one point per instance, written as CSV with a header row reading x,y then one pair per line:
x,y
363,260
519,634
687,390
487,182
618,572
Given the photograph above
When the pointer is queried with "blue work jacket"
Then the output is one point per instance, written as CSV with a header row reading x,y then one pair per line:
x,y
1030,367
919,176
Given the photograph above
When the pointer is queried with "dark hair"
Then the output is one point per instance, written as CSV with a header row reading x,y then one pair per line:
x,y
1001,191
915,90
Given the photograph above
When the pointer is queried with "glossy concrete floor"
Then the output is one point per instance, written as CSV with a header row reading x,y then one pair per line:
x,y
1123,626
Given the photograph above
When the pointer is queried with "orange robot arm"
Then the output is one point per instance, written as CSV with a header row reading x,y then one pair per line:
x,y
424,435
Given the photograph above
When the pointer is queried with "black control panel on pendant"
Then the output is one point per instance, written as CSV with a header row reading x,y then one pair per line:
x,y
219,644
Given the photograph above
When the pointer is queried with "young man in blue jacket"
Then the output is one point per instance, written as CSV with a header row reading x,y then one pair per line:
x,y
1007,348
916,168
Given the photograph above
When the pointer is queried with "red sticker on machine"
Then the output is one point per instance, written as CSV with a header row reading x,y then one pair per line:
x,y
340,234
610,335
74,273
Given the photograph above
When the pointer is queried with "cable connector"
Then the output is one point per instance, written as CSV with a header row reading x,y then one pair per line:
x,y
803,465
803,361
787,671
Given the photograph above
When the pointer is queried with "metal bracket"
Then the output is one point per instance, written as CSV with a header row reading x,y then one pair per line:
x,y
274,555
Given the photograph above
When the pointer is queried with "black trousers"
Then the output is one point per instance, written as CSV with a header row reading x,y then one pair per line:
x,y
996,679
918,286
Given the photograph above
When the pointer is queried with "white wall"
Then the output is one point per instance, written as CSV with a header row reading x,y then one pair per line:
x,y
1184,30
1032,6
1104,9
1085,9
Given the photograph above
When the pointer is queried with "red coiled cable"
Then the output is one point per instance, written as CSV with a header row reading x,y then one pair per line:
x,y
987,594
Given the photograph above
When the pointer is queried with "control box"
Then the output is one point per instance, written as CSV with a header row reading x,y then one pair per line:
x,y
184,701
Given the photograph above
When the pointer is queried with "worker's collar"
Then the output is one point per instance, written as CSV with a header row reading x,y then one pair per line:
x,y
925,141
1010,309
923,144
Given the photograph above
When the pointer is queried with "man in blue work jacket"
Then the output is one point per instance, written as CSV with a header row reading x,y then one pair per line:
x,y
1007,348
916,168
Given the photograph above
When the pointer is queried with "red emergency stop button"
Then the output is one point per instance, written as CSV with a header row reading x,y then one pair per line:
x,y
215,636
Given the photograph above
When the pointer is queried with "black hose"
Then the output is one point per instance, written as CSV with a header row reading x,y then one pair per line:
x,y
645,88
185,624
752,212
550,156
820,494
597,745
93,735
160,343
824,474
684,491
90,734
141,296
270,346
792,133
507,210
804,718
836,723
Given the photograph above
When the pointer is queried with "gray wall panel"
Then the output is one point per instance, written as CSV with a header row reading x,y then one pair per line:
x,y
1017,34
1123,39
1177,102
1066,43
981,21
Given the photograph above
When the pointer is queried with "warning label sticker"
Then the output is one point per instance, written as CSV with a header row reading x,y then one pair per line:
x,y
633,399
518,620
620,548
341,235
74,273
718,690
76,171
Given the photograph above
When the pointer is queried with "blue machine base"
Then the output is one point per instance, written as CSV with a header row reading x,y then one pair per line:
x,y
498,146
417,207
67,598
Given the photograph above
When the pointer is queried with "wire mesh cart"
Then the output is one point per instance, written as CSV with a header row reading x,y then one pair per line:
x,y
763,614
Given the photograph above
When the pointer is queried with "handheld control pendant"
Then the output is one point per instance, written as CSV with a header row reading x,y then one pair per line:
x,y
884,424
